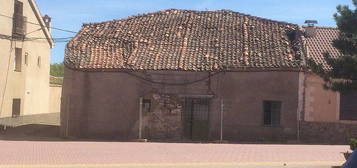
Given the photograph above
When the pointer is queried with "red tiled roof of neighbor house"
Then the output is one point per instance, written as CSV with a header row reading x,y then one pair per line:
x,y
186,40
321,43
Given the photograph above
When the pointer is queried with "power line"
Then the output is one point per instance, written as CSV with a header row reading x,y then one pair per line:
x,y
34,31
58,39
173,84
55,28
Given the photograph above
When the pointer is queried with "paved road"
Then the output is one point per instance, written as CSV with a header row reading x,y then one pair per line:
x,y
37,154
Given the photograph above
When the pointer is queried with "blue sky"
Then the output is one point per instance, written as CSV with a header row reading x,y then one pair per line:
x,y
71,14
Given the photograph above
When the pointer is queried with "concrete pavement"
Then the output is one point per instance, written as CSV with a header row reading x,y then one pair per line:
x,y
36,154
174,165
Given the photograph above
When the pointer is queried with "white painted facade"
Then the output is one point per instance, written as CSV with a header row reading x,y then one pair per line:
x,y
31,85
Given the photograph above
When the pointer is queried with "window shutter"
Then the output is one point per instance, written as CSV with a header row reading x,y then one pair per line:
x,y
18,59
348,106
18,20
24,25
19,6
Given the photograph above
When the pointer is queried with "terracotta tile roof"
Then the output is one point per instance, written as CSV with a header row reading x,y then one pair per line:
x,y
186,40
321,43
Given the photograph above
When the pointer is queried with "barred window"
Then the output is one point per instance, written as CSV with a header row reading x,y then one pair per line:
x,y
272,113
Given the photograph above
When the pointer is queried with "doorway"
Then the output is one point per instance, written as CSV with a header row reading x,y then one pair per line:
x,y
196,119
16,107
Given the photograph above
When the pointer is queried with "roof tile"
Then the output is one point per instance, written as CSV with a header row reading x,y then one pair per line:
x,y
321,43
185,40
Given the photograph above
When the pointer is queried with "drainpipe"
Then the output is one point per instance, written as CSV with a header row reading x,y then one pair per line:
x,y
67,115
140,117
298,129
301,103
222,108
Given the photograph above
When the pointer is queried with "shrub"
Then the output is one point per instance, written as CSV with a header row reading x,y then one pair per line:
x,y
353,143
57,69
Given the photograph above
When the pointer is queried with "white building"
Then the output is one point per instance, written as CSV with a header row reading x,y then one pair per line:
x,y
25,44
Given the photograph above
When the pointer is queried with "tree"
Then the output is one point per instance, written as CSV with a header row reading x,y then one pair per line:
x,y
57,70
343,73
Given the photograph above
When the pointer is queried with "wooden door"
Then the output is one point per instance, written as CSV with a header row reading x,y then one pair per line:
x,y
16,107
196,118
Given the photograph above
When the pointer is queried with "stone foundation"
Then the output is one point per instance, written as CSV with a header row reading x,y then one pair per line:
x,y
328,132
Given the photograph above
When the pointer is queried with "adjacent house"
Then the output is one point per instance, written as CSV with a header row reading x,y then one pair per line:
x,y
329,116
191,75
25,43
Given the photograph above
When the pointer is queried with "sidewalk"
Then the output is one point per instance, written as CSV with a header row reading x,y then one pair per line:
x,y
127,154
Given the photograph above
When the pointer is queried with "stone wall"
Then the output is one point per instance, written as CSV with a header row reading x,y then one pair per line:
x,y
328,132
164,121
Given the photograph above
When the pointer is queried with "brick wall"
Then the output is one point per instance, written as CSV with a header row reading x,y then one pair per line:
x,y
106,104
328,132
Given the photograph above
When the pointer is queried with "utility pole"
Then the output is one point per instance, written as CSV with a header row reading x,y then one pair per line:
x,y
140,117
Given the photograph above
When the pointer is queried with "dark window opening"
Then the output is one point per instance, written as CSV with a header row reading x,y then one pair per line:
x,y
18,59
348,105
146,106
16,107
272,113
19,20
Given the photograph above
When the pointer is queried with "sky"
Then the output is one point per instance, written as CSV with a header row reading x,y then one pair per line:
x,y
71,14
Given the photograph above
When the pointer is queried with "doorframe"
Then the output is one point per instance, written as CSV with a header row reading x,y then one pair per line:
x,y
209,99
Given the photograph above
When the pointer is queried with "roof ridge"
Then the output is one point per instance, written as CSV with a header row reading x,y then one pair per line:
x,y
188,10
38,16
322,27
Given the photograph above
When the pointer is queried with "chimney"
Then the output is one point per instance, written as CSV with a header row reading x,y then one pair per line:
x,y
47,21
310,30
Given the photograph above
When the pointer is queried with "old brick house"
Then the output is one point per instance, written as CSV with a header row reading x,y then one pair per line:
x,y
186,75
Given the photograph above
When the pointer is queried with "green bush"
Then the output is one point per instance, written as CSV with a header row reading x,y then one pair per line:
x,y
353,143
57,69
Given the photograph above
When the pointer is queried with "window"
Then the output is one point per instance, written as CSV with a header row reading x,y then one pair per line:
x,y
272,113
18,59
26,58
146,106
19,20
39,61
348,105
16,107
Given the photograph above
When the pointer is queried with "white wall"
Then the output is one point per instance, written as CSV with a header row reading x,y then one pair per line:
x,y
31,85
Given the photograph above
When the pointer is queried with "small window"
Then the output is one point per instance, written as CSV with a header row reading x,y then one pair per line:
x,y
272,113
146,106
16,107
39,61
18,59
26,58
